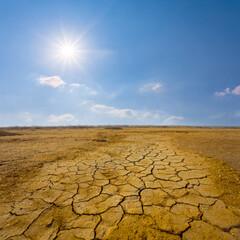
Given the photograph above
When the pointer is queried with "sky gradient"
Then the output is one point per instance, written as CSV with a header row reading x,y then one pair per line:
x,y
135,62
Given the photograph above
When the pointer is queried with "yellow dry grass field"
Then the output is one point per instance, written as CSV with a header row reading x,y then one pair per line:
x,y
119,183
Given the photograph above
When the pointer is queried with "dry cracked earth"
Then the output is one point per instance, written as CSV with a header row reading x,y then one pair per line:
x,y
140,188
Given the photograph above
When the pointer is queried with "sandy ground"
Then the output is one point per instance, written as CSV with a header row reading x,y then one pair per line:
x,y
128,183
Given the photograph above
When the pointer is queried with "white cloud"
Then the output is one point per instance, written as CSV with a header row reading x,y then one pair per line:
x,y
123,113
139,116
115,112
75,85
61,118
236,90
150,87
54,81
172,119
221,94
98,108
84,87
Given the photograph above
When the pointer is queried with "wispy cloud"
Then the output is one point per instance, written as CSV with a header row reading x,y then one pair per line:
x,y
173,119
85,88
84,102
27,117
111,96
138,116
218,116
237,114
115,112
53,81
61,118
223,93
156,116
235,91
17,119
226,116
150,87
145,114
75,85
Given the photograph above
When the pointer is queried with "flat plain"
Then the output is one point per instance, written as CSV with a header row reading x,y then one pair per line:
x,y
119,183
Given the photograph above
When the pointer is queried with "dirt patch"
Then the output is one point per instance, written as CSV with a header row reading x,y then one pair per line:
x,y
139,184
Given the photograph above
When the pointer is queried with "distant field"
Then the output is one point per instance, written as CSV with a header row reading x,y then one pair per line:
x,y
24,150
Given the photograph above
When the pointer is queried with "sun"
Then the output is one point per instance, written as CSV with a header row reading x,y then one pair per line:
x,y
68,51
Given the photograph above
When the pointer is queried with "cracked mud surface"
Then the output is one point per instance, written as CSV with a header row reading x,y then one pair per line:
x,y
141,187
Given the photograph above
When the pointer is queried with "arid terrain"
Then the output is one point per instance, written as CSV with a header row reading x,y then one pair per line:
x,y
119,183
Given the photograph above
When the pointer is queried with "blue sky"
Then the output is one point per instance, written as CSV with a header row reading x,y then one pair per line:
x,y
131,62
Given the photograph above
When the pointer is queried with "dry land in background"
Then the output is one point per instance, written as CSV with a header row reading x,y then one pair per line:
x,y
119,183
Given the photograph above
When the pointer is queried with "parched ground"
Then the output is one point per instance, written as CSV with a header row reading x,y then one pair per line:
x,y
119,183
